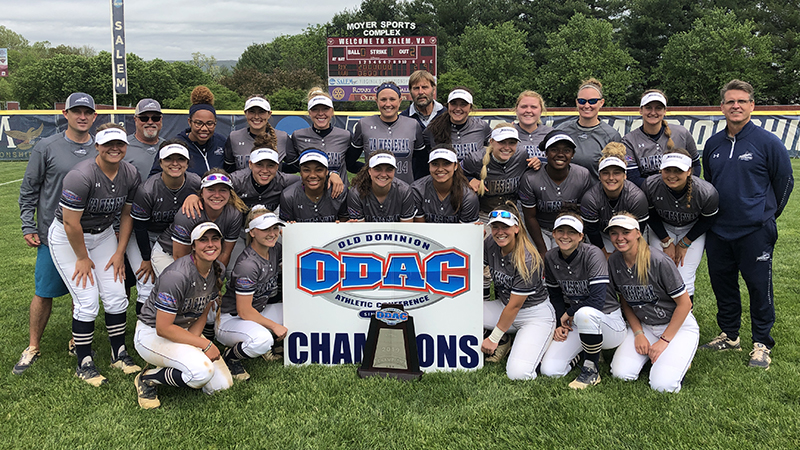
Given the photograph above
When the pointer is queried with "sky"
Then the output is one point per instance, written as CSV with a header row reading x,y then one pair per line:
x,y
168,29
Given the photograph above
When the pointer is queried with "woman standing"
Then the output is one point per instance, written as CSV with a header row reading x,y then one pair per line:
x,y
169,330
444,196
88,255
257,111
311,200
521,305
466,134
576,276
377,196
646,144
262,182
530,108
662,328
589,133
682,208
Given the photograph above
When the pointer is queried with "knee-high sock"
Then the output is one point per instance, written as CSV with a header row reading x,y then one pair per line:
x,y
115,323
592,344
165,375
83,334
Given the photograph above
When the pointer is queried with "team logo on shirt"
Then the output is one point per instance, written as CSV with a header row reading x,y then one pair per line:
x,y
746,157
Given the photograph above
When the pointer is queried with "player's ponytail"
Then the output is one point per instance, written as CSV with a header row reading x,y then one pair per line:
x,y
487,157
217,274
268,140
642,254
523,247
684,152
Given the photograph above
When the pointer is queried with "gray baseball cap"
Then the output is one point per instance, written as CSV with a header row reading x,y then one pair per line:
x,y
79,99
147,104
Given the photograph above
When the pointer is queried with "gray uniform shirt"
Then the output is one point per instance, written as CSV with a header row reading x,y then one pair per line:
x,y
596,208
398,204
229,223
335,145
470,137
141,155
240,144
502,179
256,276
538,190
182,291
507,279
529,142
679,212
157,204
590,143
297,207
87,189
587,266
652,303
645,153
441,211
50,161
245,187
402,137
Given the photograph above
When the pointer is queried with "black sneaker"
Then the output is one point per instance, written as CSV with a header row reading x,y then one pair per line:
x,y
125,363
237,370
588,376
146,393
89,373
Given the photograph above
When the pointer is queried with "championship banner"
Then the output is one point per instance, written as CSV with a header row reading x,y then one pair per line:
x,y
337,276
119,63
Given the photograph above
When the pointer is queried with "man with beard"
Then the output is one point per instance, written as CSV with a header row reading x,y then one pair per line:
x,y
143,144
424,107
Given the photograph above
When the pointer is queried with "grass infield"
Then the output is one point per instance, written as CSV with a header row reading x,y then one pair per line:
x,y
723,404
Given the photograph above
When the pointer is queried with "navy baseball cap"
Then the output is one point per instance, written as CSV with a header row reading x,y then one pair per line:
x,y
79,99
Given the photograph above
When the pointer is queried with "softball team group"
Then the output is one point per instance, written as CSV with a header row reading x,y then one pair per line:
x,y
611,230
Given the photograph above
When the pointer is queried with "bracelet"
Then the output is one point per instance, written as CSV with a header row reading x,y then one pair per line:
x,y
683,243
496,335
664,339
636,333
208,347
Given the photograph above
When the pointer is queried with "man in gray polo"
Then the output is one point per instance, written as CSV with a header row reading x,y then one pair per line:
x,y
50,160
144,143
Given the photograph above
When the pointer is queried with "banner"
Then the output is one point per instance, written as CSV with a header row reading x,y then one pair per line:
x,y
336,276
3,62
119,62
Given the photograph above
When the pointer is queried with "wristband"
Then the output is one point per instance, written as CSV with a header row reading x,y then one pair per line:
x,y
664,339
636,333
208,347
683,243
496,335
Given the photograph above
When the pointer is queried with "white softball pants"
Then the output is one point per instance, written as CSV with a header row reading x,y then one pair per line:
x,y
256,340
666,374
101,248
587,320
693,256
135,259
534,327
160,259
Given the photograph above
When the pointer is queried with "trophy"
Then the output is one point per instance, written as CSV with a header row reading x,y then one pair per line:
x,y
391,348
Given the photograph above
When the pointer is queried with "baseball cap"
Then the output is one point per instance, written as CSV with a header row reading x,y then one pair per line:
x,y
320,100
612,161
261,154
557,136
627,222
173,149
460,93
682,162
216,178
203,228
111,134
503,133
147,104
264,222
443,153
503,216
382,158
653,97
569,221
314,155
257,101
79,99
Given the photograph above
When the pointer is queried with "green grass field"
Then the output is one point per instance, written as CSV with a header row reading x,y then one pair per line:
x,y
723,404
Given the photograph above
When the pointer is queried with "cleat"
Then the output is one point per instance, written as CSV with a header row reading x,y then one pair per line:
x,y
502,350
125,363
146,393
722,342
237,370
588,376
275,354
89,373
759,357
71,347
29,355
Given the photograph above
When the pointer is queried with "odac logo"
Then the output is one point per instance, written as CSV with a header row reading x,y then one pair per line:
x,y
364,270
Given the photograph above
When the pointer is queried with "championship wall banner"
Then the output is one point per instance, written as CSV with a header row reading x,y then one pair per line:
x,y
337,276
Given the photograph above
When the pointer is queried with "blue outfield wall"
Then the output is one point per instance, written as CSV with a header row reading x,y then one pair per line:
x,y
20,130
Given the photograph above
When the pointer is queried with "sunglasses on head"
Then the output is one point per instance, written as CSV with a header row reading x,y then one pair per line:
x,y
218,177
501,214
591,101
145,119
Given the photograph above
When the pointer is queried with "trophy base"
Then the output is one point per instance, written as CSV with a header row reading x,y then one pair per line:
x,y
404,375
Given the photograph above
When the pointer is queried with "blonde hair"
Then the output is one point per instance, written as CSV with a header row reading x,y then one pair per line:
x,y
592,83
642,253
108,125
487,158
418,75
535,95
522,246
667,130
234,199
256,211
614,150
315,92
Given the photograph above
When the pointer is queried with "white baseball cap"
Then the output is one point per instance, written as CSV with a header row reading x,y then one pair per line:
x,y
503,133
612,161
382,158
111,134
503,216
443,153
264,222
173,149
569,221
320,100
216,178
314,155
460,93
559,137
257,101
203,228
623,221
682,162
261,154
653,97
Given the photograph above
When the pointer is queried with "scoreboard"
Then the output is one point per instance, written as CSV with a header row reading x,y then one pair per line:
x,y
358,65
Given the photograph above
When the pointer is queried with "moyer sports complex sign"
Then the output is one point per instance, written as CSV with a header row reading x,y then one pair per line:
x,y
336,276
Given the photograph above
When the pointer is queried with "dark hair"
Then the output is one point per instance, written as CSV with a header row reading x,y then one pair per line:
x,y
362,181
441,125
689,189
459,180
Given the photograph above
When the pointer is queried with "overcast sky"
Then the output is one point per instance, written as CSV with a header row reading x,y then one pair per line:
x,y
168,29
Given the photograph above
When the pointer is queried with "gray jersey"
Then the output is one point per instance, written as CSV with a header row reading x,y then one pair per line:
x,y
502,179
141,155
253,194
507,279
470,137
240,144
297,207
645,153
334,144
50,161
229,223
596,208
398,204
256,276
87,189
679,212
585,267
529,142
538,190
652,303
157,204
590,143
182,291
402,137
434,210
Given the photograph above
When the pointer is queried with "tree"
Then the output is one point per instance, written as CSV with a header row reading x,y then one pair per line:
x,y
207,64
581,49
720,47
301,51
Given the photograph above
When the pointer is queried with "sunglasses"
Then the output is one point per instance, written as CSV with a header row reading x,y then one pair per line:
x,y
501,214
591,101
145,119
217,177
